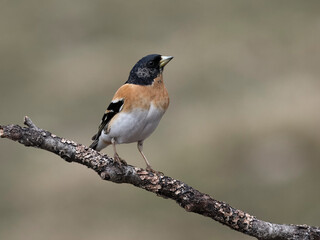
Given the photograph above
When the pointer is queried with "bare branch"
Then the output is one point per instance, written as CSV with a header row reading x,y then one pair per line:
x,y
187,197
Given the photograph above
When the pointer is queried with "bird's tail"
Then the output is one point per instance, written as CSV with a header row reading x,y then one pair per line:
x,y
95,139
94,145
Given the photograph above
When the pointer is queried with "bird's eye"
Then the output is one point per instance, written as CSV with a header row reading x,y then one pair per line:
x,y
151,64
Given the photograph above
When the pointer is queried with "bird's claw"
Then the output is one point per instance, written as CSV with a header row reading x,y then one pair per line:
x,y
119,160
150,169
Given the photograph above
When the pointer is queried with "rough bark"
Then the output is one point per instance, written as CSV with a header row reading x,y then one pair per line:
x,y
187,197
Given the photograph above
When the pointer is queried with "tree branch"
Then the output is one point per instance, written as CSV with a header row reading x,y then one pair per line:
x,y
187,197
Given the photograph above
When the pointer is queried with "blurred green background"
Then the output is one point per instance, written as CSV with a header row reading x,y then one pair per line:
x,y
243,123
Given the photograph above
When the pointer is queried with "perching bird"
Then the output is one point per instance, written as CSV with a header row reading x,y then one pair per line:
x,y
136,108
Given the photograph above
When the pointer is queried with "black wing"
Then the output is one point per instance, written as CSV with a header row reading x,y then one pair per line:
x,y
112,110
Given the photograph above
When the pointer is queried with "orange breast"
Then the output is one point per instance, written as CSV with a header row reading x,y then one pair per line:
x,y
137,96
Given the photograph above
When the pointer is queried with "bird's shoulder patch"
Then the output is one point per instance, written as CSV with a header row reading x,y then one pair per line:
x,y
134,96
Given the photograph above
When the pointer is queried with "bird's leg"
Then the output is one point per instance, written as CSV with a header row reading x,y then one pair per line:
x,y
140,148
116,156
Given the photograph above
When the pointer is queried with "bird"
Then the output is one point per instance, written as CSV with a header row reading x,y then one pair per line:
x,y
136,108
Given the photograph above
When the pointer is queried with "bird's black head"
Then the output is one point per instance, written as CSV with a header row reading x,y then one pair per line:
x,y
147,69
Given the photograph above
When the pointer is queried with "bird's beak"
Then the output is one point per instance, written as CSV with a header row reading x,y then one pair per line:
x,y
164,60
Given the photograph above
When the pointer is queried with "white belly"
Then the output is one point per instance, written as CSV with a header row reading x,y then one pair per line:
x,y
134,126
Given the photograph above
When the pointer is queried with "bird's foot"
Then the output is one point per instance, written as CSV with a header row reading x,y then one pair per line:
x,y
123,162
150,169
119,160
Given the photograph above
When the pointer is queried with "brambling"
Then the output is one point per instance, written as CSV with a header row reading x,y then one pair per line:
x,y
136,108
